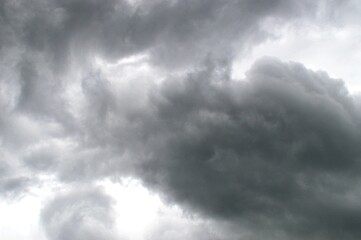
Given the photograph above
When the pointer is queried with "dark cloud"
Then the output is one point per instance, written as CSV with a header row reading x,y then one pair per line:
x,y
81,214
173,32
280,151
276,154
277,151
44,42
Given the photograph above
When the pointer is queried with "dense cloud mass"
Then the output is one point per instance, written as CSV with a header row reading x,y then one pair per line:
x,y
280,150
94,90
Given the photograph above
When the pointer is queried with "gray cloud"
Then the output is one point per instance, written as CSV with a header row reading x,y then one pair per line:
x,y
280,151
277,154
14,187
81,214
43,42
173,32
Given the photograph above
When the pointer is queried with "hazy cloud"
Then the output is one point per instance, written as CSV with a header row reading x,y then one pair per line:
x,y
84,214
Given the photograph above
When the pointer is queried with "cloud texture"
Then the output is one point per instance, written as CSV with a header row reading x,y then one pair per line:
x,y
85,214
110,89
280,150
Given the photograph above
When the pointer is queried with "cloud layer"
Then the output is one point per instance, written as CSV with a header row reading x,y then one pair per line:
x,y
92,90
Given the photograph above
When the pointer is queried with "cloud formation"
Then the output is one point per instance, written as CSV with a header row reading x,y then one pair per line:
x,y
275,154
173,32
277,151
280,150
84,214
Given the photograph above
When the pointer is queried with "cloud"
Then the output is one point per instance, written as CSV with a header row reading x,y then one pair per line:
x,y
173,32
81,214
279,151
12,187
276,154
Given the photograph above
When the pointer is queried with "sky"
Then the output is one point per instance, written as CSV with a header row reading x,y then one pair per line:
x,y
180,119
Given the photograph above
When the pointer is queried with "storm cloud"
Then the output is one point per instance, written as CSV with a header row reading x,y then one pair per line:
x,y
174,33
107,90
279,150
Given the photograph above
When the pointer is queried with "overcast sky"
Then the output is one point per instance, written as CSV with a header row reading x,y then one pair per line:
x,y
180,119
